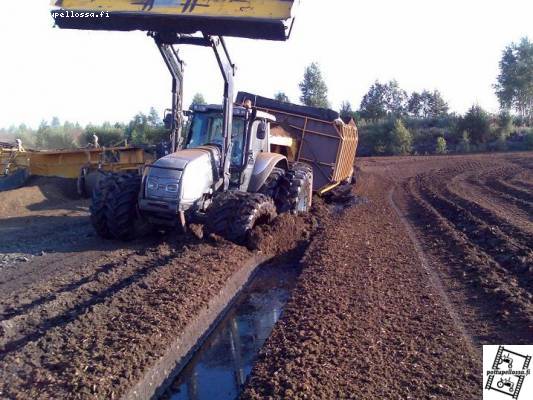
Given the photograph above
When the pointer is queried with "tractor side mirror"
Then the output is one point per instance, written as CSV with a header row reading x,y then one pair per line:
x,y
168,121
262,130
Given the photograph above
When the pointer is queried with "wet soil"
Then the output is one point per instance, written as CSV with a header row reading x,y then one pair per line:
x,y
220,367
398,295
87,323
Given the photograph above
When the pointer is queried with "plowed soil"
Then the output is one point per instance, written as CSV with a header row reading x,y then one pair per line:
x,y
84,318
399,294
398,291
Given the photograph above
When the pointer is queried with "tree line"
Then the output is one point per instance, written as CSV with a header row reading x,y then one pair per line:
x,y
143,129
391,121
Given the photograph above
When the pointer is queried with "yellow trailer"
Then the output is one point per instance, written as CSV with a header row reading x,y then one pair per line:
x,y
255,19
14,167
84,165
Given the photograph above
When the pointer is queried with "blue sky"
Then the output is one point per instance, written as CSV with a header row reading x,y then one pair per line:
x,y
453,46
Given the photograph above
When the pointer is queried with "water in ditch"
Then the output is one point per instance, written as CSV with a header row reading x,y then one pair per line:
x,y
219,369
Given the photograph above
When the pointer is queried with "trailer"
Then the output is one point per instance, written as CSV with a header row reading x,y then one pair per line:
x,y
14,167
312,135
84,165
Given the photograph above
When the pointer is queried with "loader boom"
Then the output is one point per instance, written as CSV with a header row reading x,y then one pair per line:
x,y
165,43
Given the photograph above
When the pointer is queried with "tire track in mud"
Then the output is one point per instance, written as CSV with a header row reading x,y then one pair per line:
x,y
523,184
434,277
470,262
98,338
486,239
31,321
507,189
507,198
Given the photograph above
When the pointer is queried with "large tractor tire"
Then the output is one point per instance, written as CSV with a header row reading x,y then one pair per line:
x,y
114,206
121,211
234,214
99,206
296,189
272,185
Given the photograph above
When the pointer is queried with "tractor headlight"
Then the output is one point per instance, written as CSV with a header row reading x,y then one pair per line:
x,y
152,184
196,180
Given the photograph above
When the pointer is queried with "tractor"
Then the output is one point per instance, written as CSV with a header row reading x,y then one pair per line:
x,y
231,171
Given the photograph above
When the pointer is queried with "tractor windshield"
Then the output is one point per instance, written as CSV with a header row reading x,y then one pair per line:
x,y
206,128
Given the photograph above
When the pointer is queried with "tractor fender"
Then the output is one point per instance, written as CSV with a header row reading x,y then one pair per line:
x,y
264,164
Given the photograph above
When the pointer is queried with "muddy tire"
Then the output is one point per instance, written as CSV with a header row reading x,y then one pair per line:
x,y
234,214
272,185
296,189
99,206
121,208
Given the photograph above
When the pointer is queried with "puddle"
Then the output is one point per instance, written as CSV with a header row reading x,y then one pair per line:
x,y
219,369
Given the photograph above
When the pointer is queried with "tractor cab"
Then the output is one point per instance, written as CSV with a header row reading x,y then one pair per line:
x,y
250,136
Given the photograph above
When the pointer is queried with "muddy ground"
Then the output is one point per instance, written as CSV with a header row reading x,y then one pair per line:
x,y
396,297
85,318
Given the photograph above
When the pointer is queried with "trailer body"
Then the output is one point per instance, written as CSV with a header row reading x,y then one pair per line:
x,y
312,135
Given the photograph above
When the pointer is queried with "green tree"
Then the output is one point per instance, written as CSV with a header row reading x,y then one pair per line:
x,y
57,136
198,99
440,146
401,139
514,86
384,100
427,105
108,135
145,130
313,88
477,123
464,143
281,96
153,118
346,112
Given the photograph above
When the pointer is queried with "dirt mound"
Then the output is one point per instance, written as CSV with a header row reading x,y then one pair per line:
x,y
285,233
38,194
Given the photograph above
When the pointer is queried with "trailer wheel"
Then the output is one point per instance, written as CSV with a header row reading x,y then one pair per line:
x,y
296,189
121,208
272,185
99,205
234,214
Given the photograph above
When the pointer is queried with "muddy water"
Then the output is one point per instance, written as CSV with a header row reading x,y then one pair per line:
x,y
220,368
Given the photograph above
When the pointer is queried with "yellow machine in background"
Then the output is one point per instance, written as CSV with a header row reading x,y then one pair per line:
x,y
14,167
81,164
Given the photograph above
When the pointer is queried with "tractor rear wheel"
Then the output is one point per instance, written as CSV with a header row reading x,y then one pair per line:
x,y
121,208
272,185
296,189
234,214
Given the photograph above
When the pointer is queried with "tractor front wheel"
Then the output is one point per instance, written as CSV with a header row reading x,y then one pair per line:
x,y
234,214
114,213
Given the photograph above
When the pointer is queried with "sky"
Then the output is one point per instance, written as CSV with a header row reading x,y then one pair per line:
x,y
91,77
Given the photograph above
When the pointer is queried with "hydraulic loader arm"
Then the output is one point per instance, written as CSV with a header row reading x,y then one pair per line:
x,y
165,42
